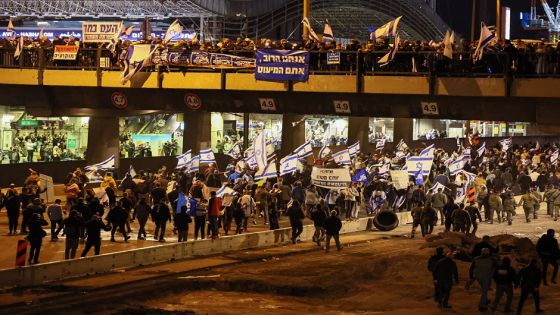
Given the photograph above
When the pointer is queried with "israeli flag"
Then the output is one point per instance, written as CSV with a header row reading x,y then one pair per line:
x,y
380,144
361,176
328,35
399,201
137,57
354,149
194,165
457,165
342,157
506,143
480,151
324,152
467,154
288,164
436,187
11,28
19,47
554,157
384,170
304,150
184,159
235,151
414,163
131,172
259,146
268,172
486,37
207,156
174,30
387,30
270,150
251,161
428,151
105,165
401,146
419,176
225,190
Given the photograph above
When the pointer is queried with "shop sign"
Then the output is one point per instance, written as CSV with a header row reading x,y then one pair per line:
x,y
192,101
119,100
341,107
267,104
429,108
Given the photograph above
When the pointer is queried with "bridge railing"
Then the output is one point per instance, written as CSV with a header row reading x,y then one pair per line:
x,y
361,63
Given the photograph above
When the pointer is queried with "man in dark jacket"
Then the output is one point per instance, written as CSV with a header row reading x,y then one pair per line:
x,y
93,229
332,228
474,214
35,237
428,219
296,216
445,271
318,216
505,278
485,243
432,265
117,217
529,279
416,214
163,215
73,226
182,220
547,247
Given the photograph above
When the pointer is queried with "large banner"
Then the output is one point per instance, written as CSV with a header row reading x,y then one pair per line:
x,y
202,59
282,65
99,32
65,52
333,178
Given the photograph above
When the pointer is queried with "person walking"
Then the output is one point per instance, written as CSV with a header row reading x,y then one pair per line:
x,y
416,214
494,206
142,213
547,247
474,214
200,219
444,274
54,212
505,278
428,218
332,229
214,213
163,216
461,219
438,201
72,227
509,206
117,217
528,201
182,221
93,231
482,270
13,204
35,237
434,259
296,216
529,279
318,217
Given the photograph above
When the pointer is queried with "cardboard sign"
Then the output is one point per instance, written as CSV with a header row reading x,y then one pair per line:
x,y
65,52
330,177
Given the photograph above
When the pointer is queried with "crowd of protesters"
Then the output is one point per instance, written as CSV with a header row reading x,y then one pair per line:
x,y
514,57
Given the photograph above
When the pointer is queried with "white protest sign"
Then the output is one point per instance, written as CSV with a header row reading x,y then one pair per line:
x,y
330,177
400,179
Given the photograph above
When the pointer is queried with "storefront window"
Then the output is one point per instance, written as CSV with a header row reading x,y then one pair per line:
x,y
517,128
381,128
326,130
25,138
151,135
428,129
227,129
489,128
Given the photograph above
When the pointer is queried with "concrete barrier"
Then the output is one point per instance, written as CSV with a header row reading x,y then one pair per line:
x,y
53,271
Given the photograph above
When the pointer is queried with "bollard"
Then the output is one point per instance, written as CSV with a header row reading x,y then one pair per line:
x,y
21,253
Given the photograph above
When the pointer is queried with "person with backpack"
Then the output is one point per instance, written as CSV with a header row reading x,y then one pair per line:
x,y
332,228
428,219
318,216
72,228
182,221
200,218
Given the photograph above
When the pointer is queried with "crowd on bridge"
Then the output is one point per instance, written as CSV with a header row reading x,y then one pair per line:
x,y
514,57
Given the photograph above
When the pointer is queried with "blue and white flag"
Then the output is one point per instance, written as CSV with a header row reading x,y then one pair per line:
x,y
105,165
399,201
354,149
304,150
414,163
467,154
380,144
11,28
342,157
288,164
310,31
251,161
401,146
174,30
112,46
225,190
554,157
328,35
235,151
392,52
361,176
384,169
457,165
436,187
259,149
131,172
324,152
387,30
400,155
486,37
137,57
207,156
184,159
480,151
267,172
19,47
419,176
506,144
428,151
194,165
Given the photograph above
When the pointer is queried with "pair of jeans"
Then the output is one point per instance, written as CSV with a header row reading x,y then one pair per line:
x,y
182,235
336,241
35,250
54,229
525,291
484,284
214,225
13,221
500,290
297,228
71,247
95,243
199,222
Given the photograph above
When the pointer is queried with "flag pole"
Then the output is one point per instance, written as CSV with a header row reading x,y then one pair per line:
x,y
306,8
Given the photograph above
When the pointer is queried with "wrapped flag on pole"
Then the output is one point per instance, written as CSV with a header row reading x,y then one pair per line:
x,y
387,30
259,149
436,187
486,37
481,150
354,149
288,164
380,144
342,157
19,48
11,29
304,150
174,30
267,172
207,156
310,31
131,172
554,157
328,35
105,165
448,42
324,152
384,169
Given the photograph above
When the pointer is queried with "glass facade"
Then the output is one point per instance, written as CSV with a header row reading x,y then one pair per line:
x,y
227,129
427,129
381,128
151,135
326,130
25,138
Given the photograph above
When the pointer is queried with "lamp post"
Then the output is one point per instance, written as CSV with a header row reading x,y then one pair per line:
x,y
498,19
305,15
473,20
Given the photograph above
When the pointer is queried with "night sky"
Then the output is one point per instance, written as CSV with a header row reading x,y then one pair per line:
x,y
457,14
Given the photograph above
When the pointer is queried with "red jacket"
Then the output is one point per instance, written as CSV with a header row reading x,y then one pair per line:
x,y
214,206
